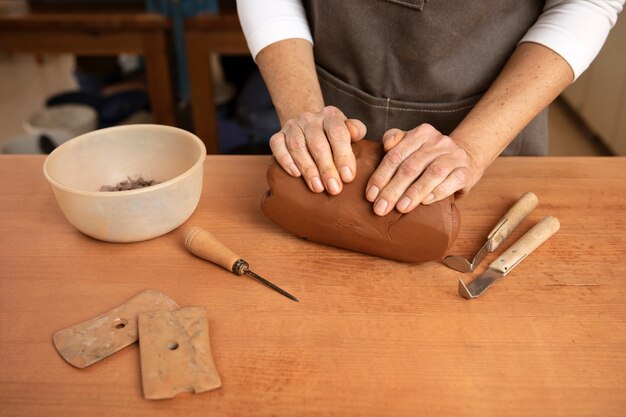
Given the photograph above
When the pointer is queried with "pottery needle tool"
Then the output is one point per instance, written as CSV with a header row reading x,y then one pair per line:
x,y
511,257
204,245
526,203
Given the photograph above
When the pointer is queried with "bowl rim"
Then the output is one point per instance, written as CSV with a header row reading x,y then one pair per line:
x,y
110,194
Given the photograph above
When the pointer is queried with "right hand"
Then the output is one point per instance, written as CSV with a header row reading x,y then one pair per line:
x,y
317,146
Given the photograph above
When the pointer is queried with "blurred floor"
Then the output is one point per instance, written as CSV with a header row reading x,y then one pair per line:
x,y
26,82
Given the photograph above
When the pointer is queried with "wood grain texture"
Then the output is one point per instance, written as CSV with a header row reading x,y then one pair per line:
x,y
370,337
86,343
525,245
203,244
522,208
176,353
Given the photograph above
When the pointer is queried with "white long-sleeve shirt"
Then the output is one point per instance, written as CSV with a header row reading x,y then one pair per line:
x,y
574,29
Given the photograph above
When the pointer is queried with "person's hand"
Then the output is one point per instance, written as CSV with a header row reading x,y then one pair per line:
x,y
317,146
421,166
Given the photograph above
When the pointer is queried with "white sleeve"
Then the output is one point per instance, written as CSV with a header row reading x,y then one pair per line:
x,y
267,22
575,29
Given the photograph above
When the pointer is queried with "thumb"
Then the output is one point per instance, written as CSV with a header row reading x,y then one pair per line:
x,y
357,129
392,137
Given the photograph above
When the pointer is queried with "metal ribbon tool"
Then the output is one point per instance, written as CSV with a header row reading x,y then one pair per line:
x,y
526,203
511,257
499,268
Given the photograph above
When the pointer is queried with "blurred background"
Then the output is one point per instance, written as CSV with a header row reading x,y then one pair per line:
x,y
70,66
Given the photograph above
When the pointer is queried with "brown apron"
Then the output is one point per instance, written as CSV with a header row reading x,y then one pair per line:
x,y
400,63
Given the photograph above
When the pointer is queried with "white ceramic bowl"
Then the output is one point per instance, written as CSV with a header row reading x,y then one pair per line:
x,y
81,166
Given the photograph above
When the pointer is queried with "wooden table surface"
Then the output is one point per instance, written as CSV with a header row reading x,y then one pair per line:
x,y
370,337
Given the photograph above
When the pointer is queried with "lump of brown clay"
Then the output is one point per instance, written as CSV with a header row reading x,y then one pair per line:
x,y
348,220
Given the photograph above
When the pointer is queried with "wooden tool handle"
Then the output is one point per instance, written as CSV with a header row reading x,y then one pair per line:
x,y
204,245
526,203
526,244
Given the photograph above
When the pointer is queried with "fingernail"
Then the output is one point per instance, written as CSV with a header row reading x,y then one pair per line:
x,y
404,204
372,193
333,186
430,197
317,184
294,170
380,206
346,174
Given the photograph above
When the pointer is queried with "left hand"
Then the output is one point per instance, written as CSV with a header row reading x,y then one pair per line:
x,y
421,166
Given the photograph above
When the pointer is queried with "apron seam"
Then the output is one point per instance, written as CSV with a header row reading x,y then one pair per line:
x,y
387,107
419,6
387,115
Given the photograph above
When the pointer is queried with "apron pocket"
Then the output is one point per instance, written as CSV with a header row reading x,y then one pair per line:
x,y
380,114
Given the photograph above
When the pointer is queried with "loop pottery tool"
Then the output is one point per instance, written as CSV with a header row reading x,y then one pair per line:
x,y
526,203
511,257
204,245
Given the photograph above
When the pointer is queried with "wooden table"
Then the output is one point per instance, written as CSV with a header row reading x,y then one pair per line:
x,y
370,337
95,33
205,35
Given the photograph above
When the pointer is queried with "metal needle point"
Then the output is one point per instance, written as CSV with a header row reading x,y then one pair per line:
x,y
269,284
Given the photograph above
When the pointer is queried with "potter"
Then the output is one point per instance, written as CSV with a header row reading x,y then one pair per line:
x,y
447,86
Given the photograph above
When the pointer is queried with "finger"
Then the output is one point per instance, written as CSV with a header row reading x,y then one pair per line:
x,y
435,175
405,176
455,181
297,147
279,149
392,137
338,136
390,164
320,151
357,129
